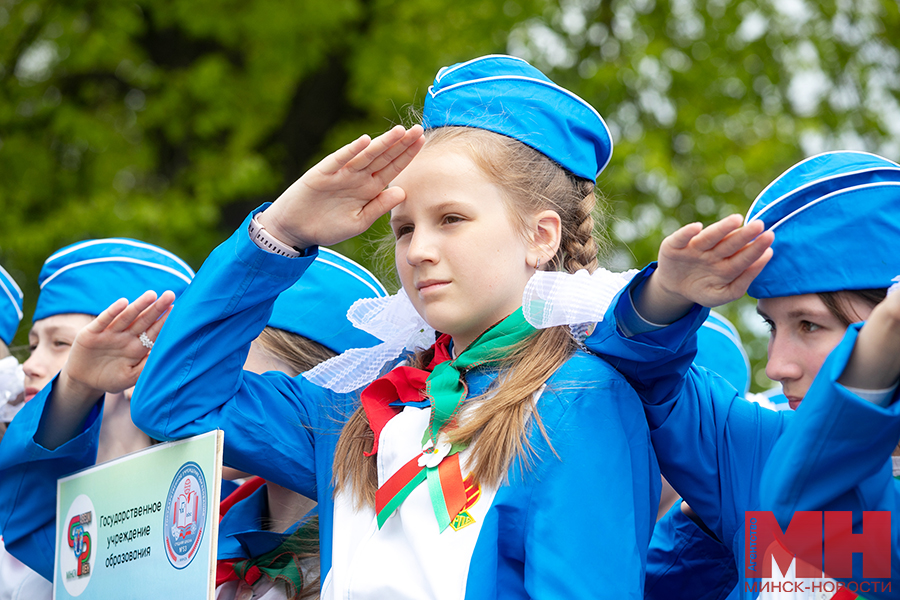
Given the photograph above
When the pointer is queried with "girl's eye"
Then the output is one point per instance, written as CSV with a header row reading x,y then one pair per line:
x,y
32,347
809,327
403,230
770,325
60,343
452,219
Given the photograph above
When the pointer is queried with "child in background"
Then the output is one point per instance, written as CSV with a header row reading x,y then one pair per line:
x,y
16,580
476,469
832,218
261,528
77,283
844,443
11,376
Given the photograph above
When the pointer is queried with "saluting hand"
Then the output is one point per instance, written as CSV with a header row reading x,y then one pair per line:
x,y
346,192
710,266
108,355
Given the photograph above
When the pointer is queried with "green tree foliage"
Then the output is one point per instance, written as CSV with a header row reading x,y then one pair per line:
x,y
168,120
709,100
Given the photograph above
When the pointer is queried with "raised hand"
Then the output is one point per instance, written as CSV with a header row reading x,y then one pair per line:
x,y
875,361
710,266
346,192
108,355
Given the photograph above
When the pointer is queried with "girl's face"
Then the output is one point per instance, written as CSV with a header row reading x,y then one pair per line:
x,y
803,333
50,340
460,257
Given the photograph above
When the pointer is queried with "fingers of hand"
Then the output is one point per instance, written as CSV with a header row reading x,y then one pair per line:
x,y
739,238
708,238
402,160
154,329
742,283
124,320
374,152
399,151
336,160
151,314
106,317
381,204
682,237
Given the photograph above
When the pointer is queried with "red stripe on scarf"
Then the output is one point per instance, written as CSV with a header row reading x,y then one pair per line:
x,y
225,568
452,485
406,384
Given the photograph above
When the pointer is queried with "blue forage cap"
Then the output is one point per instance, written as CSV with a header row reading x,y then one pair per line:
x,y
88,276
316,306
506,95
836,219
10,306
720,350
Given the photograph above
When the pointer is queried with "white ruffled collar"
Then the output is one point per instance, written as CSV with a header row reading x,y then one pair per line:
x,y
551,298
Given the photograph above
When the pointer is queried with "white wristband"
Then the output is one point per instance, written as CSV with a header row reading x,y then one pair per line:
x,y
269,242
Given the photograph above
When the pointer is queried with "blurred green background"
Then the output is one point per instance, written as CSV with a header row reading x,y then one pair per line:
x,y
168,120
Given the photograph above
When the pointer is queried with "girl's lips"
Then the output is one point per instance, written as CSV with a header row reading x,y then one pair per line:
x,y
794,402
30,393
429,286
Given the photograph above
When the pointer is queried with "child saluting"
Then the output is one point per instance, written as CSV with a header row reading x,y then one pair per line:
x,y
495,459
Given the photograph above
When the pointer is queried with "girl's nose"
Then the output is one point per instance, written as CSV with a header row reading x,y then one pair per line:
x,y
782,364
421,248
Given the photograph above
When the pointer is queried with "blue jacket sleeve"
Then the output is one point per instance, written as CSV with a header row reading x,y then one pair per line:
x,y
28,474
595,492
711,443
683,562
836,454
194,381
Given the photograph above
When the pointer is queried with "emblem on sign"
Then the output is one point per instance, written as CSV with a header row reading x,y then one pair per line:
x,y
185,515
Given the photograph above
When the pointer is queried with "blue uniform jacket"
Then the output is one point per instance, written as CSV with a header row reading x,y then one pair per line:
x,y
711,444
836,450
576,523
28,474
684,562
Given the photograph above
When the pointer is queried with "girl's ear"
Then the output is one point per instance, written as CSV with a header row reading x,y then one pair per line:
x,y
544,233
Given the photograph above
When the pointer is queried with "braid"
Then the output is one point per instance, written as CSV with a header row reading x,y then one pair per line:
x,y
580,248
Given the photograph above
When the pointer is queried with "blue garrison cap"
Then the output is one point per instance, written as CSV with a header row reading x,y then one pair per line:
x,y
506,95
10,306
88,276
836,219
720,350
316,306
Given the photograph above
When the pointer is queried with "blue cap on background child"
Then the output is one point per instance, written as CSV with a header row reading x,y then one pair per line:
x,y
10,306
720,350
819,210
88,276
316,306
506,95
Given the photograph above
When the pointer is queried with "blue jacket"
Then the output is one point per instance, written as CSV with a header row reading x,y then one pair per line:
x,y
712,444
576,522
835,454
684,562
28,474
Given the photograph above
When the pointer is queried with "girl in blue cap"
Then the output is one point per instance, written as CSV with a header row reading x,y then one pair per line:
x,y
263,548
11,375
475,469
712,444
77,283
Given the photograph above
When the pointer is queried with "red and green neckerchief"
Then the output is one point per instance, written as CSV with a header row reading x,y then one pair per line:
x,y
443,383
280,564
